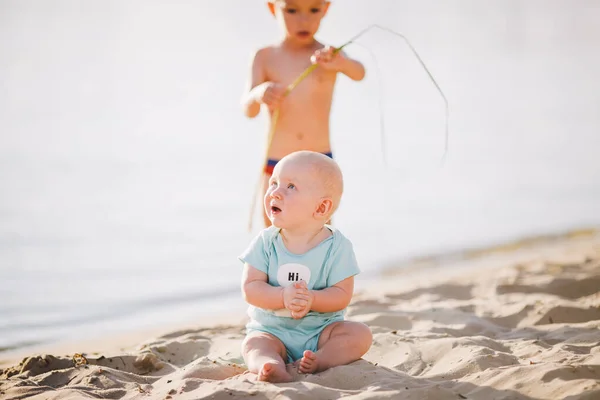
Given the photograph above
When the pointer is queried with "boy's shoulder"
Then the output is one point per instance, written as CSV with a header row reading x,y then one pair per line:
x,y
266,51
264,56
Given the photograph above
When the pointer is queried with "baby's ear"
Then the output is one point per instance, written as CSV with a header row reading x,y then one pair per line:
x,y
324,208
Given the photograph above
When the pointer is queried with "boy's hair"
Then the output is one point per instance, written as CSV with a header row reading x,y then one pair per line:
x,y
279,1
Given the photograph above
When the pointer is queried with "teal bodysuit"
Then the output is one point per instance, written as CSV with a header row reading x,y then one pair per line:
x,y
330,262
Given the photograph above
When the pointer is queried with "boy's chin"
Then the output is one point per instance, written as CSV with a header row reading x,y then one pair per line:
x,y
302,39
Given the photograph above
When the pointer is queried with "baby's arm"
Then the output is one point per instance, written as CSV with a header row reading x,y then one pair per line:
x,y
258,292
334,298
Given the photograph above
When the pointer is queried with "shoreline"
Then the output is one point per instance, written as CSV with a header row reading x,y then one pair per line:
x,y
445,264
522,243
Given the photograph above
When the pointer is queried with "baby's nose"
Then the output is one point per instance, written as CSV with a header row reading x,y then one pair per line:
x,y
276,194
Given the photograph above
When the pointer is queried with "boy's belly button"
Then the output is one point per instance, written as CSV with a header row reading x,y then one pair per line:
x,y
299,135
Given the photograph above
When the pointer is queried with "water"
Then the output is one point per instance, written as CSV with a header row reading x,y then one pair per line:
x,y
127,167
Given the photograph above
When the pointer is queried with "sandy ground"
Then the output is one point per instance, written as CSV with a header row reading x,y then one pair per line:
x,y
517,322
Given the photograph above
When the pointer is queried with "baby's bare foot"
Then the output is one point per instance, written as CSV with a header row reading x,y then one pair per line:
x,y
308,363
274,373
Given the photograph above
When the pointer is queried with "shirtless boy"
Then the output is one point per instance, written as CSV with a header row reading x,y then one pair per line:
x,y
303,122
299,276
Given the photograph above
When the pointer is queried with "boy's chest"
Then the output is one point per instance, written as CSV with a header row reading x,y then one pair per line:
x,y
286,70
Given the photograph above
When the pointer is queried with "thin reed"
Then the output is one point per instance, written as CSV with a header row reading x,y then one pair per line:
x,y
310,69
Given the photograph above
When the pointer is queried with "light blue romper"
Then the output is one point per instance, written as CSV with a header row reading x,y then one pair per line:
x,y
330,262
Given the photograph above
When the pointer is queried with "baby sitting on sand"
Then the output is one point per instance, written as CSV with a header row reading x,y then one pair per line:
x,y
299,276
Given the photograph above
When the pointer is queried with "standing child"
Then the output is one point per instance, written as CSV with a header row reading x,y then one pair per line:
x,y
299,276
303,122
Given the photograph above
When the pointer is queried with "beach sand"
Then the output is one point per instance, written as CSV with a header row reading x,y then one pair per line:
x,y
515,322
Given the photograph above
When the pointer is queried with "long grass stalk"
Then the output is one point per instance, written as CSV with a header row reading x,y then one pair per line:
x,y
309,70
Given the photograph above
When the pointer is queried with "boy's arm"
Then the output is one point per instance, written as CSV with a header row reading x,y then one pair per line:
x,y
257,76
334,298
353,69
257,290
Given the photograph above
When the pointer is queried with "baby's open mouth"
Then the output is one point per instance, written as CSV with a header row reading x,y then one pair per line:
x,y
275,209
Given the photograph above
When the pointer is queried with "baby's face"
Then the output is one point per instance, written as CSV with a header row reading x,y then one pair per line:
x,y
300,18
293,195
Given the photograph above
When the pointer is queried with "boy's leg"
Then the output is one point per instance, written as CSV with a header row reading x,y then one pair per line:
x,y
265,186
339,344
264,354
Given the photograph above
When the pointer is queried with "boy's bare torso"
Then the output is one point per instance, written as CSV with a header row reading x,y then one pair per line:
x,y
303,122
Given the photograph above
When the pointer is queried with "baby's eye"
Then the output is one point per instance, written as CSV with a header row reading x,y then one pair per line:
x,y
273,183
291,186
290,10
315,10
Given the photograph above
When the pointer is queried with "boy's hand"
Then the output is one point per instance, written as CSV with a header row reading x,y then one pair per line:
x,y
327,59
271,94
301,313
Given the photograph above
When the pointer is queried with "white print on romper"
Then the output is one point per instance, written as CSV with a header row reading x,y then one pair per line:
x,y
289,274
292,273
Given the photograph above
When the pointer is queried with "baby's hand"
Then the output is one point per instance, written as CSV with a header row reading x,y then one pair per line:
x,y
328,59
271,94
296,297
297,314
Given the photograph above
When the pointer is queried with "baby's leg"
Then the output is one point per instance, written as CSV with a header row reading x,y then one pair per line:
x,y
264,355
340,343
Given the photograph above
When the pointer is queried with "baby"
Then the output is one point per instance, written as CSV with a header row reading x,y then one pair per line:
x,y
299,275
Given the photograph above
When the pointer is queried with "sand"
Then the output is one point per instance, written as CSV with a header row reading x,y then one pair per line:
x,y
518,322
